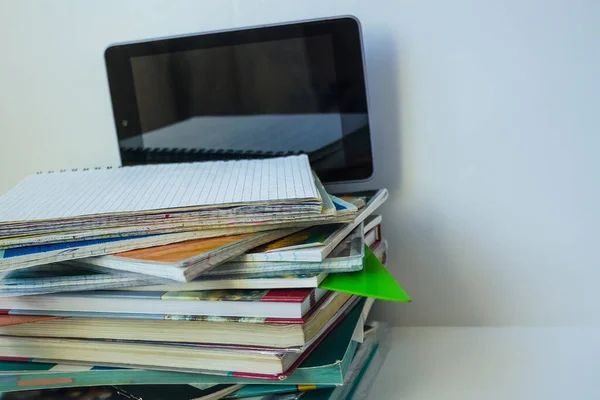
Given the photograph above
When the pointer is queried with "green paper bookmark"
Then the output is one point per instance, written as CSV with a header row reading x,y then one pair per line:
x,y
373,280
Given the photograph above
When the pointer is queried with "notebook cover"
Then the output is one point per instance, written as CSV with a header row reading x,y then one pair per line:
x,y
142,189
373,280
256,217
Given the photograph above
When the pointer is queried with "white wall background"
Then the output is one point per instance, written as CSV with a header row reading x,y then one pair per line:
x,y
485,116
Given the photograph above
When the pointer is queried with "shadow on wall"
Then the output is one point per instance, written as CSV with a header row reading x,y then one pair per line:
x,y
427,264
384,109
419,254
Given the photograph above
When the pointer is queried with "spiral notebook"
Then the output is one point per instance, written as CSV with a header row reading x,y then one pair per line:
x,y
146,188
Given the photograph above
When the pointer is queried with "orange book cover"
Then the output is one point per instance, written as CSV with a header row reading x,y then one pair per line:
x,y
8,320
177,252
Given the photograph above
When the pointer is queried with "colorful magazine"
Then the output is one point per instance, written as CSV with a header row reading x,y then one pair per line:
x,y
346,257
311,237
75,276
186,260
314,244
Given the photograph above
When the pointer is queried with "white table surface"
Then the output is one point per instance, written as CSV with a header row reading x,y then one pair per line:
x,y
490,363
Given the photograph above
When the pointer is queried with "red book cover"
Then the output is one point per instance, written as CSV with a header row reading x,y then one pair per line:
x,y
287,295
302,320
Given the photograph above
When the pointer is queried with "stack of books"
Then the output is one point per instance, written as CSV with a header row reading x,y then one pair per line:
x,y
203,280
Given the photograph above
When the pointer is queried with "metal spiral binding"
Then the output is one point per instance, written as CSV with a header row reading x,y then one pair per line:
x,y
76,169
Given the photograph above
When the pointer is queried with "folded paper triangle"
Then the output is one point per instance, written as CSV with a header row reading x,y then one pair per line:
x,y
373,280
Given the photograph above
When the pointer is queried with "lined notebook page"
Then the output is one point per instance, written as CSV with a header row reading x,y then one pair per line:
x,y
156,187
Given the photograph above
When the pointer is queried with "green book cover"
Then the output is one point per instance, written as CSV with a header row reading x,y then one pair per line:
x,y
347,390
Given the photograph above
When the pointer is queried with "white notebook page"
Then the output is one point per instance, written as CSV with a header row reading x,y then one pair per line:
x,y
156,187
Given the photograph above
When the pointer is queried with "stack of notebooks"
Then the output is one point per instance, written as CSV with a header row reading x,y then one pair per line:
x,y
235,279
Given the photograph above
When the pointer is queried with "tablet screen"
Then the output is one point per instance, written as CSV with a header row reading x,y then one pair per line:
x,y
251,99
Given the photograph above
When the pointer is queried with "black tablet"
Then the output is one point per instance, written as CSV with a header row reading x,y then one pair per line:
x,y
256,92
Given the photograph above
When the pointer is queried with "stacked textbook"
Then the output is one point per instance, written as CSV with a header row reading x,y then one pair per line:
x,y
195,281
